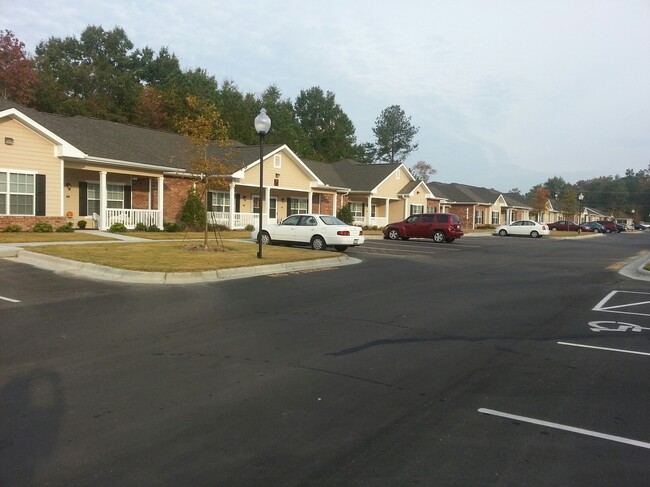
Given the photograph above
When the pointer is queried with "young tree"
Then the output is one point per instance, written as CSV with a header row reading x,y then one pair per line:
x,y
423,171
17,75
208,156
394,133
540,196
330,132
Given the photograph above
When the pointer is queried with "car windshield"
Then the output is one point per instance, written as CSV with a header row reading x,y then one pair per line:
x,y
331,220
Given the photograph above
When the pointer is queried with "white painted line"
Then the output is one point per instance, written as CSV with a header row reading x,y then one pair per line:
x,y
572,429
9,299
619,308
604,348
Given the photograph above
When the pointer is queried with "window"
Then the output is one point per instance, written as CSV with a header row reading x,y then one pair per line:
x,y
443,218
356,209
478,217
17,193
417,209
114,197
221,202
277,161
297,206
495,218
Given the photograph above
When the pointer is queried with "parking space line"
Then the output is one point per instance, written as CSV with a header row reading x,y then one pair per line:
x,y
4,298
572,429
604,348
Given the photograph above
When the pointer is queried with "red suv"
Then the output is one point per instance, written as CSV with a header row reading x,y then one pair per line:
x,y
610,227
441,227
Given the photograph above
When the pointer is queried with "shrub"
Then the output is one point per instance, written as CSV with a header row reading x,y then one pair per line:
x,y
345,214
193,211
141,227
67,228
42,227
117,228
153,228
217,226
172,227
13,228
249,227
82,224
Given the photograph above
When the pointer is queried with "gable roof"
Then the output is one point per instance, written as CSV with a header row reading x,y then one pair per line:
x,y
463,193
347,173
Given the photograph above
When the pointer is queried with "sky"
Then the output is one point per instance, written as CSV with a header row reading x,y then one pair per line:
x,y
506,94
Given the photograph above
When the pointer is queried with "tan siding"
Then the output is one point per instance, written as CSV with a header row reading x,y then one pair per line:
x,y
291,175
31,152
391,185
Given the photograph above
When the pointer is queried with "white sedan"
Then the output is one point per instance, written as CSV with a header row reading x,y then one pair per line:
x,y
319,231
523,227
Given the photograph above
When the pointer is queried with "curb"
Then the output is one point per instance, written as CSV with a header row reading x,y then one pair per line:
x,y
635,269
94,271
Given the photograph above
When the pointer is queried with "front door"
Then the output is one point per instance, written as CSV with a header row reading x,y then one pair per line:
x,y
273,210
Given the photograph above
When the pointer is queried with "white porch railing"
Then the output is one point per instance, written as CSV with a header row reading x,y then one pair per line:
x,y
130,218
240,220
374,221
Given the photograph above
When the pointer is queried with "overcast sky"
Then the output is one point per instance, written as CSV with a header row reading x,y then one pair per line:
x,y
506,93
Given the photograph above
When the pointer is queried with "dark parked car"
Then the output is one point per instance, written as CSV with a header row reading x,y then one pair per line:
x,y
641,226
592,227
441,227
565,225
610,227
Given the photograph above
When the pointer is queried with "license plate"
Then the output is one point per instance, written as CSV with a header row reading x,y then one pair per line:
x,y
356,241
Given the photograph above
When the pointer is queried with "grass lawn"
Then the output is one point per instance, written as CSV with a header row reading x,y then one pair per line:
x,y
179,256
28,237
228,234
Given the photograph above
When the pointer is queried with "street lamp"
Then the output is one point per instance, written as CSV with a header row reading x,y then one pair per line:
x,y
580,198
262,127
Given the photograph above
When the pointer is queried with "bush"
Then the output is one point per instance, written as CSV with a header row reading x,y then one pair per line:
x,y
13,228
117,228
42,227
82,224
218,227
172,227
345,214
249,227
193,212
153,228
67,228
140,227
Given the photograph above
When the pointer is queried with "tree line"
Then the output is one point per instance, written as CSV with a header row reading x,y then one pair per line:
x,y
101,74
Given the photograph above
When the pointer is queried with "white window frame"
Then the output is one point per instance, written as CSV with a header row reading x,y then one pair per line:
x,y
356,208
299,206
220,202
495,218
478,217
7,192
112,189
417,209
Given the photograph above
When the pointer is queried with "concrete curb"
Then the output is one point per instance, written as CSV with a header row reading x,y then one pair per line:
x,y
94,271
635,269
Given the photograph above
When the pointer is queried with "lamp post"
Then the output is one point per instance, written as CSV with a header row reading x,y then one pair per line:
x,y
262,127
580,198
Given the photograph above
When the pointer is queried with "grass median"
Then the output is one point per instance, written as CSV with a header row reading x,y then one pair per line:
x,y
180,256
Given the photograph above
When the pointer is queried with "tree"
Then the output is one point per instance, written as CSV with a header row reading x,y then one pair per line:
x,y
568,200
208,164
540,196
96,75
556,186
394,133
17,75
330,132
423,171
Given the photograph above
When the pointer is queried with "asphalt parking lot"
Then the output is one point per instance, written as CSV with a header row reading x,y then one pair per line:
x,y
488,361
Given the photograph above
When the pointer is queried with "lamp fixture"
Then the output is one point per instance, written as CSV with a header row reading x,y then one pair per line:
x,y
69,186
9,141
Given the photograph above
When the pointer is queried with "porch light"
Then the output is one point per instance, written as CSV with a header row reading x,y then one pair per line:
x,y
262,127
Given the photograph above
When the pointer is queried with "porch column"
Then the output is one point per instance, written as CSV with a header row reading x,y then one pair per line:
x,y
334,203
369,212
310,201
103,197
161,197
387,203
267,205
231,210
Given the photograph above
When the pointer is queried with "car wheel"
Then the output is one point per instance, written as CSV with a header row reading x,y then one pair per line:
x,y
266,238
503,233
534,234
607,230
341,248
438,236
318,243
393,234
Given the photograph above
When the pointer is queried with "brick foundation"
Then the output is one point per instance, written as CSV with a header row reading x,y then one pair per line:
x,y
28,222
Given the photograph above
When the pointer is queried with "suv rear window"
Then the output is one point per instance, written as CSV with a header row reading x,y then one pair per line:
x,y
443,218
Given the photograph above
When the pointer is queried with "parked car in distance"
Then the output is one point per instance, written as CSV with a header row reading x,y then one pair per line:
x,y
592,227
565,225
523,227
610,226
641,225
318,231
441,227
620,227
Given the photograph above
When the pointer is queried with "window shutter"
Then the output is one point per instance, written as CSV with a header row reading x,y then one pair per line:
x,y
127,197
40,195
363,209
83,198
210,195
237,203
288,206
